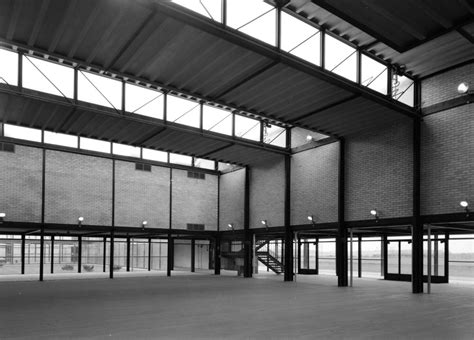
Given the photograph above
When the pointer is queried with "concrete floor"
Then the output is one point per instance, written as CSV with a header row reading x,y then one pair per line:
x,y
204,306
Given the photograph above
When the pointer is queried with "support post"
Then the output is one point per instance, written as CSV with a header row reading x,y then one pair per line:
x,y
128,253
435,255
384,259
429,261
341,239
446,256
43,195
247,234
79,254
111,255
288,230
359,257
52,254
169,266
149,254
193,255
351,259
23,242
217,255
104,255
317,255
417,238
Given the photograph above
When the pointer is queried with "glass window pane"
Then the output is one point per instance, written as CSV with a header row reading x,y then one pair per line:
x,y
274,135
340,58
36,73
247,128
20,132
180,159
403,89
183,111
99,90
204,163
125,150
94,145
300,39
143,101
259,22
217,120
373,74
60,139
155,155
208,8
8,67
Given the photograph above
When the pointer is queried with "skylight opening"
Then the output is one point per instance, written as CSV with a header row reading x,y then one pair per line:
x,y
183,111
259,22
180,159
274,135
60,139
300,39
48,77
143,101
247,128
373,74
209,8
403,89
94,145
125,150
217,120
99,90
20,132
155,155
340,58
8,67
204,163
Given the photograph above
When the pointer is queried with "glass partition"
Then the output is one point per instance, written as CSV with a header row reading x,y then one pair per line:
x,y
144,101
99,90
217,120
340,58
60,139
183,111
373,74
180,159
403,89
209,8
94,145
8,67
300,39
274,135
125,150
48,77
155,155
253,17
247,128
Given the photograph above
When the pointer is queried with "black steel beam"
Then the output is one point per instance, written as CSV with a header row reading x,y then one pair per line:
x,y
104,254
217,255
23,241
449,104
43,198
217,150
341,239
128,254
52,254
149,254
314,144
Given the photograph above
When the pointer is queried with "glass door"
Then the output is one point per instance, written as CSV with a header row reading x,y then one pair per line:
x,y
307,255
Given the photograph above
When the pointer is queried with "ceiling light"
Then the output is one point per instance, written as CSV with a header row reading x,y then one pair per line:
x,y
464,204
264,222
144,223
374,213
230,226
463,88
80,219
309,138
2,215
310,217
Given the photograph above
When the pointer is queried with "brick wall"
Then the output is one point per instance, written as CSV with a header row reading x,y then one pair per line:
x,y
443,87
194,200
232,196
78,185
379,173
447,145
141,196
21,184
314,184
267,193
447,160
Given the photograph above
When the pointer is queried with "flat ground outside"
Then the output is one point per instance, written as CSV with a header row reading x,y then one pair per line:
x,y
205,306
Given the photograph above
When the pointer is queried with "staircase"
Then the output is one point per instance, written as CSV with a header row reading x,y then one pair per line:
x,y
267,258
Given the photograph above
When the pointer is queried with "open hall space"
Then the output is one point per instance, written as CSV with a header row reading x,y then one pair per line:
x,y
236,169
209,307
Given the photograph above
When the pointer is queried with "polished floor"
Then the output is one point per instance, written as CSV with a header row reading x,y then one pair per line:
x,y
191,306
